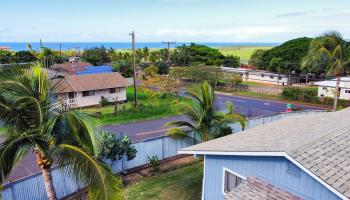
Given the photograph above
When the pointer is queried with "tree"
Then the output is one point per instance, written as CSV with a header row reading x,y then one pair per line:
x,y
114,149
204,120
256,59
232,80
5,57
36,122
291,53
96,56
231,61
151,71
24,56
331,52
200,54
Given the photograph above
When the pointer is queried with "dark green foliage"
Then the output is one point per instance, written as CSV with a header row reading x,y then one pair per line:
x,y
154,161
231,61
291,53
114,149
124,67
256,58
5,57
223,131
96,56
308,95
186,55
24,56
163,68
48,54
328,101
277,64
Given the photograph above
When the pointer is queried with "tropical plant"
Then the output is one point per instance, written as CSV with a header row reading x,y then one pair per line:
x,y
96,56
114,149
38,123
204,120
331,52
155,162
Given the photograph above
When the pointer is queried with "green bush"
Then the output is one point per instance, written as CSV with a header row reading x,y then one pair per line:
x,y
308,95
328,101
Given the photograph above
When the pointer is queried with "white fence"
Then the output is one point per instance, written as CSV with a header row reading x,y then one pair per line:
x,y
32,187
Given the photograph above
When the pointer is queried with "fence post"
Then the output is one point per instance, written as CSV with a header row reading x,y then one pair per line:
x,y
13,195
162,147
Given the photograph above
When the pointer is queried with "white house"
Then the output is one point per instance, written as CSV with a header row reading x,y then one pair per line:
x,y
327,88
260,76
87,90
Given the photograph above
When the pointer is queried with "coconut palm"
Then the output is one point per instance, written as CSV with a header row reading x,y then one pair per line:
x,y
331,52
37,123
204,120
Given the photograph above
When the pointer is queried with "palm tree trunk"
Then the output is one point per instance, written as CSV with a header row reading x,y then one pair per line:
x,y
336,94
50,190
45,166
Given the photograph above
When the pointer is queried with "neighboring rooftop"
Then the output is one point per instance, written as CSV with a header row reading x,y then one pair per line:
x,y
78,83
344,82
71,68
319,142
95,70
256,189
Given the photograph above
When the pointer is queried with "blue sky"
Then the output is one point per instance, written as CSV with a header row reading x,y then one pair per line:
x,y
172,20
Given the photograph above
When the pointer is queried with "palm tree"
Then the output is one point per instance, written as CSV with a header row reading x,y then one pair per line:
x,y
205,121
37,123
331,52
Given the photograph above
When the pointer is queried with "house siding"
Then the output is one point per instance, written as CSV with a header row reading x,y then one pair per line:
x,y
270,169
95,100
324,91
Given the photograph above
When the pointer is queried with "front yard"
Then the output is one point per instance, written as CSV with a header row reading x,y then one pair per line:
x,y
181,184
147,110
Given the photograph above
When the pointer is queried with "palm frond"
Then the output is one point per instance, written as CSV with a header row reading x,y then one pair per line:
x,y
102,183
178,133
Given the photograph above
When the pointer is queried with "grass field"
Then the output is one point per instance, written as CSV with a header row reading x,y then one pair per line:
x,y
243,52
181,184
129,114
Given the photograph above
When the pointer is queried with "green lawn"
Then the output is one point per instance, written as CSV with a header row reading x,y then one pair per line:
x,y
243,52
146,110
181,184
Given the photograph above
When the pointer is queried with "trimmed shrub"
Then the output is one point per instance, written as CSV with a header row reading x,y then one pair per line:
x,y
308,95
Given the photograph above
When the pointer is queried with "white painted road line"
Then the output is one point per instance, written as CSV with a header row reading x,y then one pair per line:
x,y
230,99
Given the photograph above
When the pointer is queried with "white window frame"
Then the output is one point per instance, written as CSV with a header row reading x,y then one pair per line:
x,y
224,169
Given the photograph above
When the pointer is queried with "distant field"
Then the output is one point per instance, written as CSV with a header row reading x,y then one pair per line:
x,y
243,52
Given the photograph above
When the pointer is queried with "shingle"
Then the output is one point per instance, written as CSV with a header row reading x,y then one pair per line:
x,y
256,189
320,142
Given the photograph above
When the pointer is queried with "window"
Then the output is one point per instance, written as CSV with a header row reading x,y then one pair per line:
x,y
88,93
324,88
347,91
114,90
231,181
271,76
262,75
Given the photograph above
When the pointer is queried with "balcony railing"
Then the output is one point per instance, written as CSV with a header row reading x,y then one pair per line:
x,y
71,103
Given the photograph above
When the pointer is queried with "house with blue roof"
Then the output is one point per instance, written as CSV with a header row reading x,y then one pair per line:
x,y
299,157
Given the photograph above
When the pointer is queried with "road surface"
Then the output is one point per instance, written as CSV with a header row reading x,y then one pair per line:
x,y
249,107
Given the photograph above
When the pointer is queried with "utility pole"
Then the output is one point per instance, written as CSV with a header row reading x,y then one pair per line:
x,y
168,47
60,49
134,66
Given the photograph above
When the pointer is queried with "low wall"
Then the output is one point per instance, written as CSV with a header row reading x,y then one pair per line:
x,y
32,187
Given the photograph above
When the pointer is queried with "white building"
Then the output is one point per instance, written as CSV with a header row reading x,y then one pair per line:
x,y
87,90
327,88
260,76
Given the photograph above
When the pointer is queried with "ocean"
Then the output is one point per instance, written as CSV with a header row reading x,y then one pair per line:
x,y
18,46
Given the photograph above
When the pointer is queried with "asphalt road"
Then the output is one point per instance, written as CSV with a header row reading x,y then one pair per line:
x,y
142,130
249,107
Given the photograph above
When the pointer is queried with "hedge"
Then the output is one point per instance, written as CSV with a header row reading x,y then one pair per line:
x,y
309,95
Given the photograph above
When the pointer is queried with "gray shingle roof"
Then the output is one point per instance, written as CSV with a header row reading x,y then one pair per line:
x,y
255,189
320,142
